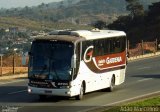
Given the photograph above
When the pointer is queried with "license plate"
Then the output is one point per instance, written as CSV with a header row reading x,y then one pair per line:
x,y
47,91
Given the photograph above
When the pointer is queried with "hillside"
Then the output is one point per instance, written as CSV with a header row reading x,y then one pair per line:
x,y
6,22
69,11
73,11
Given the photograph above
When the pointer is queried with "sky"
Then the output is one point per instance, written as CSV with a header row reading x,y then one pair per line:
x,y
22,3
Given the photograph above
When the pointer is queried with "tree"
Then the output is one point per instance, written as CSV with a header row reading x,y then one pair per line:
x,y
135,8
122,23
99,24
153,13
42,5
2,32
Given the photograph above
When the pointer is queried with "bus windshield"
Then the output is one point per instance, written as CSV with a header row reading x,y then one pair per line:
x,y
51,60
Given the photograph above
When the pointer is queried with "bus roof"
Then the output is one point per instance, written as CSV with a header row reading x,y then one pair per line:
x,y
67,38
77,35
98,34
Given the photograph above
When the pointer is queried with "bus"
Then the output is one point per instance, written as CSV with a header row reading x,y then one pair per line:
x,y
74,62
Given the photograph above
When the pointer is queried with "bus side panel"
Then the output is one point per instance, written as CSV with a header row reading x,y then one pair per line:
x,y
94,81
120,76
91,79
106,79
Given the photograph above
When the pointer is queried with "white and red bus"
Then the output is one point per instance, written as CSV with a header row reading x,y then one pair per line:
x,y
72,63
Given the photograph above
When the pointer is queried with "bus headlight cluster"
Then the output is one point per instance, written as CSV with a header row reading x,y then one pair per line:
x,y
29,90
65,87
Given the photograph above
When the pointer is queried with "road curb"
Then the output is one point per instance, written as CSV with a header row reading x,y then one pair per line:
x,y
13,76
143,56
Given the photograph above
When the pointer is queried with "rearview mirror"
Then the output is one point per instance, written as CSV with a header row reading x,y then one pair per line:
x,y
29,53
128,55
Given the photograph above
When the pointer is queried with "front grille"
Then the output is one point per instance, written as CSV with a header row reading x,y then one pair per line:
x,y
40,84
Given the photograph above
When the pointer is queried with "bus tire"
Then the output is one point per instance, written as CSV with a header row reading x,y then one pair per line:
x,y
80,96
112,84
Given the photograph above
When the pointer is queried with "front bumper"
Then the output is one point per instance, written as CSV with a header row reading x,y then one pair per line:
x,y
52,92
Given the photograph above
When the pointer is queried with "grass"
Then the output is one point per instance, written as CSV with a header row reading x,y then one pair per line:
x,y
149,105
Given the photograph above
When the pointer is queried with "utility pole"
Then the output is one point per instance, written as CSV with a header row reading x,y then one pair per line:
x,y
156,45
128,46
1,63
13,63
14,51
142,47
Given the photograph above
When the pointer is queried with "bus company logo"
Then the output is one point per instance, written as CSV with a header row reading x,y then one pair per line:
x,y
53,84
113,60
88,54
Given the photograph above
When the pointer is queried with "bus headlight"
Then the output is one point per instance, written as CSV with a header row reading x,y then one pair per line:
x,y
29,90
65,87
68,92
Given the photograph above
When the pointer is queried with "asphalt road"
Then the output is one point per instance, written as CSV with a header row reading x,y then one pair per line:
x,y
142,79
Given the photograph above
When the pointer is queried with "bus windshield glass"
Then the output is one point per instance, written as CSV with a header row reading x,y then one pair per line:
x,y
51,60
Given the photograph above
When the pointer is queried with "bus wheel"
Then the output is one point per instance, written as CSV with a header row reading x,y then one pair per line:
x,y
42,97
111,88
80,96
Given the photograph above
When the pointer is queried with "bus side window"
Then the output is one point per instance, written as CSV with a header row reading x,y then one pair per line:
x,y
112,45
85,45
118,45
102,47
96,48
106,46
99,47
121,44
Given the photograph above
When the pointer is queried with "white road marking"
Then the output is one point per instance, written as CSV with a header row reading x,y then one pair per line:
x,y
141,68
11,82
145,79
17,92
